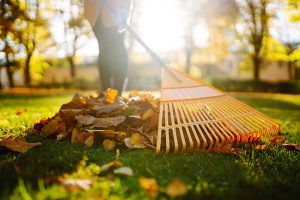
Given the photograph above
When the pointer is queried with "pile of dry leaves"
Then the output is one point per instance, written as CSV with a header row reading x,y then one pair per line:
x,y
105,118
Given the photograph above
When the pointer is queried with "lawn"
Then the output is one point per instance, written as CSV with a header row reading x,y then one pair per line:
x,y
269,174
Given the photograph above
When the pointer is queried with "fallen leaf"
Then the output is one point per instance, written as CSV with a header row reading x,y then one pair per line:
x,y
106,122
83,136
4,122
117,154
86,120
275,141
111,95
50,128
128,143
292,146
260,147
149,185
20,111
147,114
108,108
19,144
137,140
74,135
74,185
78,101
89,141
127,171
176,188
151,123
109,144
61,136
109,165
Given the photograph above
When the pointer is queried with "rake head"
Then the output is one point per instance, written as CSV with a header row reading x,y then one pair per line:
x,y
194,115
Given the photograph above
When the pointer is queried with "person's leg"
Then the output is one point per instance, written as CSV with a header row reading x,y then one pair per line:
x,y
103,62
118,58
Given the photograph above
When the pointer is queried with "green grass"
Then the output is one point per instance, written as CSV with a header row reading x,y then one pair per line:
x,y
269,174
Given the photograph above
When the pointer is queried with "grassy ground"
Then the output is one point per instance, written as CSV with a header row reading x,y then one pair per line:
x,y
269,174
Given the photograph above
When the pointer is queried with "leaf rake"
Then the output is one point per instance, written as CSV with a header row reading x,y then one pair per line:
x,y
194,115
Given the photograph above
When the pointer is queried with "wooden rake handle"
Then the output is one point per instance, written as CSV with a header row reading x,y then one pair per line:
x,y
158,59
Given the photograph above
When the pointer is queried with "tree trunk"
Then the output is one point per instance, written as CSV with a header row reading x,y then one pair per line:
x,y
72,65
27,77
9,75
256,62
290,67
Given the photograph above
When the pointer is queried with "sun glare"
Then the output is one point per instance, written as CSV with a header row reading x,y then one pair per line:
x,y
161,26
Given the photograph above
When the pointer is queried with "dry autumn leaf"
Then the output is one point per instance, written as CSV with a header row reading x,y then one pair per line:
x,y
176,188
147,114
108,108
19,144
109,144
109,165
149,185
127,171
86,120
50,128
292,146
260,147
74,135
111,95
106,122
137,140
78,101
74,185
89,141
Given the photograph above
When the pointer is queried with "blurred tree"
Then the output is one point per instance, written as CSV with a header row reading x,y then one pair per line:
x,y
35,35
12,13
293,7
76,29
255,20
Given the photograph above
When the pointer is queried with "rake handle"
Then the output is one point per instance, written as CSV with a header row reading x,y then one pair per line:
x,y
158,59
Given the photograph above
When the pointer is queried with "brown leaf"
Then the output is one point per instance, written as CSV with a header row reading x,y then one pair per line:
x,y
149,185
108,108
50,128
106,122
176,188
137,140
89,141
151,123
109,144
61,136
78,101
147,114
83,136
85,119
292,146
127,171
111,95
19,144
74,135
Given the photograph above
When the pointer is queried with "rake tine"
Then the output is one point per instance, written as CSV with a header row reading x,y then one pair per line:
x,y
180,128
173,129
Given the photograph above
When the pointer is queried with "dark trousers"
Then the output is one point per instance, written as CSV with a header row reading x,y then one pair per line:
x,y
113,58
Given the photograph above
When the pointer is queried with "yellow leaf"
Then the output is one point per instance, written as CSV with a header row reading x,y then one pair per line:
x,y
4,122
176,188
109,144
149,185
109,165
90,141
111,95
50,128
127,171
137,140
19,144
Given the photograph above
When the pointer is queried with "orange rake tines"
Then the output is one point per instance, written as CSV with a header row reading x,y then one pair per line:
x,y
195,115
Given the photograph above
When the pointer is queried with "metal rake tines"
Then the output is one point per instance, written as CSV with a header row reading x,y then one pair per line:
x,y
208,122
